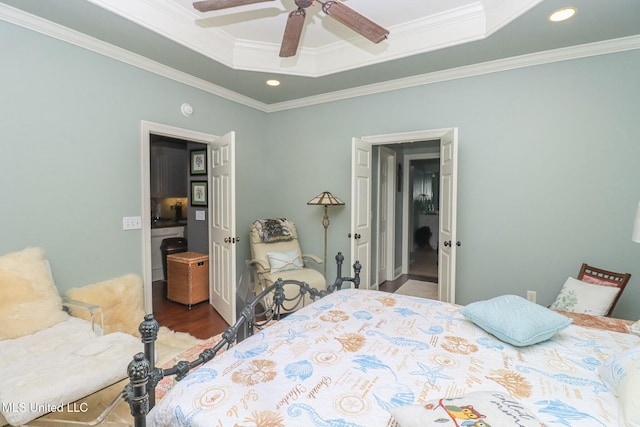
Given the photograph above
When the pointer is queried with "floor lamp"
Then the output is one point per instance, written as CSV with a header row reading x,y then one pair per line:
x,y
325,199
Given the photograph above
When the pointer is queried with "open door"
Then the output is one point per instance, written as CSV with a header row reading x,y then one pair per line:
x,y
386,216
361,202
222,206
361,209
448,213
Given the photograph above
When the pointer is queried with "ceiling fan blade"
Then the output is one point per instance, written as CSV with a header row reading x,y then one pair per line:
x,y
207,5
292,33
354,20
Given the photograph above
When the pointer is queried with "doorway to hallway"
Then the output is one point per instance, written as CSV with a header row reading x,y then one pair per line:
x,y
363,217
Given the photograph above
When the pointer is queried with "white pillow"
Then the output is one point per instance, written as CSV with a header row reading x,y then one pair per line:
x,y
282,261
580,297
621,373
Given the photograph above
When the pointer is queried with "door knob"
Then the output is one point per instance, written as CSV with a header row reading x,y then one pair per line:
x,y
447,242
357,236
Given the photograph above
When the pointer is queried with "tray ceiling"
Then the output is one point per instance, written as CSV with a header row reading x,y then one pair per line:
x,y
233,52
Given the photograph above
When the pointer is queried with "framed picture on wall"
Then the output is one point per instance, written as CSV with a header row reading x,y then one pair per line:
x,y
198,193
198,162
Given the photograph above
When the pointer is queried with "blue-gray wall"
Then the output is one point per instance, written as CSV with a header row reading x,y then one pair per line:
x,y
548,163
548,169
70,152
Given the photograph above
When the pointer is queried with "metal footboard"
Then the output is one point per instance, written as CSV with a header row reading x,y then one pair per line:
x,y
144,377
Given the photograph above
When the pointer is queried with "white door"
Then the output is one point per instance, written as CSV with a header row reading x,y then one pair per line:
x,y
386,211
222,206
361,210
448,213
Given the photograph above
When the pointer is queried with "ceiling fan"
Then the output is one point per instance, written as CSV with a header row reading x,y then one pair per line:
x,y
293,30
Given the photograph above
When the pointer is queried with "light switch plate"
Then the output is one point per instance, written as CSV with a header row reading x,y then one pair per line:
x,y
200,216
131,222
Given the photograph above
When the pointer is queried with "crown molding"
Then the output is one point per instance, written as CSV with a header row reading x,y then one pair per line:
x,y
445,29
502,12
42,26
448,28
540,58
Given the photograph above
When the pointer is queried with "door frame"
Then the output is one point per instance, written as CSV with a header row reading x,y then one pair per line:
x,y
146,129
390,139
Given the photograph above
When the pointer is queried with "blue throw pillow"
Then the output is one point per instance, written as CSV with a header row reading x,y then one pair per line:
x,y
515,320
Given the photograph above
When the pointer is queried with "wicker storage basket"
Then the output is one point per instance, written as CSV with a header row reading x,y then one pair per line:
x,y
188,277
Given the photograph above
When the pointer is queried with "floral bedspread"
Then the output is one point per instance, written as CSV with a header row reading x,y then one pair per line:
x,y
346,359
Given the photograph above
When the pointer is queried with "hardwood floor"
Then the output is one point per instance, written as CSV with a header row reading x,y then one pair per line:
x,y
393,285
201,321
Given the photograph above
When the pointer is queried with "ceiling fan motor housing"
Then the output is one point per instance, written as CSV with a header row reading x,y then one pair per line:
x,y
303,3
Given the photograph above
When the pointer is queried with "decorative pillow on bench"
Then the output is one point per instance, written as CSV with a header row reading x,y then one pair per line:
x,y
579,296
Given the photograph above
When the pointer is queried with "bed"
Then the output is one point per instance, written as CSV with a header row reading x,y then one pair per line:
x,y
370,358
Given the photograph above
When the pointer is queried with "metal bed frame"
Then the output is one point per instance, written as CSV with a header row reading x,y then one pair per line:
x,y
144,376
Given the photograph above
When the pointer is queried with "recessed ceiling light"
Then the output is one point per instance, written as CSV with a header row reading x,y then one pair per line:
x,y
273,82
562,14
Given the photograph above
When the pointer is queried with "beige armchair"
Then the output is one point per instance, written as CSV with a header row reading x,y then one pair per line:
x,y
276,253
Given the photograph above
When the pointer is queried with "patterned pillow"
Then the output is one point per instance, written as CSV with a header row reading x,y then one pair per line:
x,y
480,408
515,320
282,261
581,297
621,373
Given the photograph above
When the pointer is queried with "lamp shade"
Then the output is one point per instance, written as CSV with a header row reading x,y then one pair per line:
x,y
325,199
635,236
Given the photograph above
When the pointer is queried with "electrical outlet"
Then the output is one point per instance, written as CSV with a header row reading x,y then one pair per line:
x,y
131,222
531,296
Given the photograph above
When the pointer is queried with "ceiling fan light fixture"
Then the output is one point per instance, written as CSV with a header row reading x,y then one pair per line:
x,y
562,14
